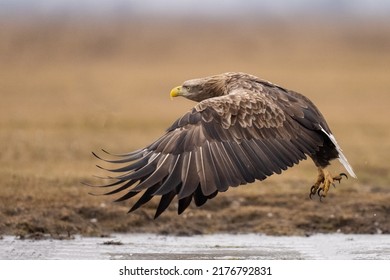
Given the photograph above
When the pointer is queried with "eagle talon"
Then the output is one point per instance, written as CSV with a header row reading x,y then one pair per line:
x,y
321,194
313,191
339,177
324,181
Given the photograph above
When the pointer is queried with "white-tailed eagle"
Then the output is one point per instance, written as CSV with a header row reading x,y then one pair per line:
x,y
242,129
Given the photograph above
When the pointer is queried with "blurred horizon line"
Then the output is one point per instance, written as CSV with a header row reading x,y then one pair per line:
x,y
192,9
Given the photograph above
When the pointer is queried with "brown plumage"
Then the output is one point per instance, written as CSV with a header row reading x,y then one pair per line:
x,y
243,129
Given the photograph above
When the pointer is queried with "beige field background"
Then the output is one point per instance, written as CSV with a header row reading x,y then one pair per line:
x,y
72,86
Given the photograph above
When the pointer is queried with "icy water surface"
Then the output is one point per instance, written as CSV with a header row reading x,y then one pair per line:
x,y
218,246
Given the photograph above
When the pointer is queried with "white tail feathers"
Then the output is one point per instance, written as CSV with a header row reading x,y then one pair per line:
x,y
342,158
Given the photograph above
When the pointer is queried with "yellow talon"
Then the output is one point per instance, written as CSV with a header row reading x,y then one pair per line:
x,y
324,180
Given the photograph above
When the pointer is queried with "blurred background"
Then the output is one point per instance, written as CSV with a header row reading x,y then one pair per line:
x,y
78,76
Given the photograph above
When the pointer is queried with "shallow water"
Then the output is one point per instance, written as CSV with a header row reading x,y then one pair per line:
x,y
218,246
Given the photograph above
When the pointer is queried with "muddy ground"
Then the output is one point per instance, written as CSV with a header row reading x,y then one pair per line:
x,y
72,87
273,208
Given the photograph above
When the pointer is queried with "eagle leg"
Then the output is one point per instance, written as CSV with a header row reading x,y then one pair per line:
x,y
324,180
316,187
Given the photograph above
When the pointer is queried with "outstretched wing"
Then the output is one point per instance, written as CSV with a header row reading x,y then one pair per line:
x,y
223,142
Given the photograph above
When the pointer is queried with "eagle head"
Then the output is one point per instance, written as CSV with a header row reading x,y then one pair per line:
x,y
202,88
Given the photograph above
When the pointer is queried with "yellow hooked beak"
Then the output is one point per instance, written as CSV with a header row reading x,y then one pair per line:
x,y
175,92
